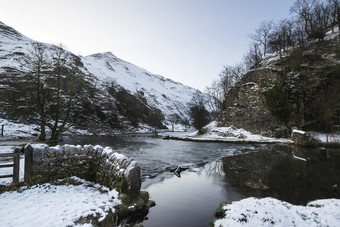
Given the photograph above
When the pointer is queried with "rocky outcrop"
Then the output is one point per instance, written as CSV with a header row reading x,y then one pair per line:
x,y
300,89
246,106
304,139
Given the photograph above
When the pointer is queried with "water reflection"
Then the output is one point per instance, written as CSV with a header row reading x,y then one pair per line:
x,y
212,168
295,175
190,200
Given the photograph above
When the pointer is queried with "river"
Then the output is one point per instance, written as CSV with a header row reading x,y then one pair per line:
x,y
190,200
223,172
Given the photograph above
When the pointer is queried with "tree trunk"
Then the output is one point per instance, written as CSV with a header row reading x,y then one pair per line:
x,y
40,100
57,111
69,107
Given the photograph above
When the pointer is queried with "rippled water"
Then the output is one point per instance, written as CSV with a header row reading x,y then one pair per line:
x,y
156,155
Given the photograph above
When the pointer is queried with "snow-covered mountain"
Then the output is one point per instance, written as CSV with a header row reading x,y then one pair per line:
x,y
111,94
162,93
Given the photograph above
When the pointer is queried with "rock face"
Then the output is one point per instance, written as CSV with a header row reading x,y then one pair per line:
x,y
300,89
304,139
245,104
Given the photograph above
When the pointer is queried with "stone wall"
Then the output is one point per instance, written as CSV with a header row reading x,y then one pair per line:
x,y
93,163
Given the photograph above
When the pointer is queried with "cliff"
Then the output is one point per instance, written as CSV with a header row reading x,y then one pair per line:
x,y
298,90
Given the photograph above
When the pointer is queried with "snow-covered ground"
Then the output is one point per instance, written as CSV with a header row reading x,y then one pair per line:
x,y
56,205
13,130
326,137
229,134
323,138
273,212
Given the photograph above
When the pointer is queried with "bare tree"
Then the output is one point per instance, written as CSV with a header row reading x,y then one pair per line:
x,y
68,105
174,119
262,34
59,59
334,6
282,37
254,56
39,63
229,76
216,97
304,10
219,88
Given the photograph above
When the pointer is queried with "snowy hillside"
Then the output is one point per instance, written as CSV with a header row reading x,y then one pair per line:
x,y
162,93
13,45
110,93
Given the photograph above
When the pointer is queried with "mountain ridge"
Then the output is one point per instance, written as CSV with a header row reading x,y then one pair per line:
x,y
111,93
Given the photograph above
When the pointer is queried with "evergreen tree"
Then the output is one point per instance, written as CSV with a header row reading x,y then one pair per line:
x,y
198,113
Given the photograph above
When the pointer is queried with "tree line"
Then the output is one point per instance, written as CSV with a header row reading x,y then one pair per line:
x,y
311,19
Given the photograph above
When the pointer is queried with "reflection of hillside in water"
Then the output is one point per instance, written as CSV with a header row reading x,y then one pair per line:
x,y
212,168
295,175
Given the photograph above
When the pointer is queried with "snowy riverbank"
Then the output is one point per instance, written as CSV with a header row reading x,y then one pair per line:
x,y
273,212
57,205
225,134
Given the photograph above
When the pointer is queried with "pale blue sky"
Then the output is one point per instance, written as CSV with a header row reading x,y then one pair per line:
x,y
186,40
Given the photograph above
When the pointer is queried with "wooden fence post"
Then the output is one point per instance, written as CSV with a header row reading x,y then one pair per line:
x,y
16,166
28,164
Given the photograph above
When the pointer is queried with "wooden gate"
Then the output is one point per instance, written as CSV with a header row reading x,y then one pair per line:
x,y
15,165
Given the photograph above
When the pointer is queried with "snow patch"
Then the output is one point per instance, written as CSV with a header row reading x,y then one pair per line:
x,y
56,205
13,130
232,134
298,131
273,212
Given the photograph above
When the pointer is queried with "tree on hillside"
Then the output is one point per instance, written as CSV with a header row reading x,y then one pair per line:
x,y
185,121
59,61
261,36
316,16
39,65
282,37
215,98
174,119
54,79
254,55
334,6
197,111
219,89
229,76
304,11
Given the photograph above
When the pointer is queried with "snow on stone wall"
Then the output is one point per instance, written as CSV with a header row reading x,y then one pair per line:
x,y
93,163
